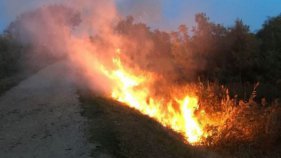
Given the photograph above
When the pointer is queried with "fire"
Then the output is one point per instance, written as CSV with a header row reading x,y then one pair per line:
x,y
133,88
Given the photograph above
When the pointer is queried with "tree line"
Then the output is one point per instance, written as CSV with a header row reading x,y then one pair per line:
x,y
208,51
212,51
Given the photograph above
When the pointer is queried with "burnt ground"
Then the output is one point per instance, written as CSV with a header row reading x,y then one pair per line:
x,y
41,118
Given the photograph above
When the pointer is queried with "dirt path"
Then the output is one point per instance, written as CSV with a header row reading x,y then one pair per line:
x,y
41,118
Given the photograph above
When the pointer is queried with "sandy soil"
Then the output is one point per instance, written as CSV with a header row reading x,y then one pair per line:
x,y
41,118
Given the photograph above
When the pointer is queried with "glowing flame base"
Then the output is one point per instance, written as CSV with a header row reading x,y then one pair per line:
x,y
133,89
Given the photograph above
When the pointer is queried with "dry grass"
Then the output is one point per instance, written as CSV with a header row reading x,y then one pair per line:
x,y
246,128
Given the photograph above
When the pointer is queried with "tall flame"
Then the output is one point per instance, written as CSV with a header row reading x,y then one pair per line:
x,y
132,88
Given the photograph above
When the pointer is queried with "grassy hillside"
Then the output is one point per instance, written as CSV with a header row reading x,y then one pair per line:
x,y
123,132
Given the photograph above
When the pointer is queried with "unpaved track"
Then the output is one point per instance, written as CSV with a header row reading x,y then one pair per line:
x,y
40,118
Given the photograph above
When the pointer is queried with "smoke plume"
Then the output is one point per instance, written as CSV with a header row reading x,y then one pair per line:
x,y
87,34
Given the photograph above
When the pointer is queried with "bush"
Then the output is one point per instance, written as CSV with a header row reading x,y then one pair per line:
x,y
10,56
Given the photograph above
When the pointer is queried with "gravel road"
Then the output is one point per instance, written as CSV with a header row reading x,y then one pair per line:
x,y
40,118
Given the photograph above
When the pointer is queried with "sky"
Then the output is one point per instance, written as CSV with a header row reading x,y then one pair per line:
x,y
169,14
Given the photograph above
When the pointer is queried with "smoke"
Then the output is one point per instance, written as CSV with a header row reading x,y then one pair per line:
x,y
62,31
84,33
13,8
146,11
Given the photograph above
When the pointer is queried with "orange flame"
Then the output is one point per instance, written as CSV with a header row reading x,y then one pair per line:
x,y
132,88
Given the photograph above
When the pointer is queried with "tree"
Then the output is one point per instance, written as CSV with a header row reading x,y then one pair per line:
x,y
270,34
242,52
207,46
270,56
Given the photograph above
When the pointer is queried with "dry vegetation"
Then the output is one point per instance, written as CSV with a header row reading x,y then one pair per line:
x,y
246,129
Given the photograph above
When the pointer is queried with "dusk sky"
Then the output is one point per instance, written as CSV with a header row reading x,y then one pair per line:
x,y
168,14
